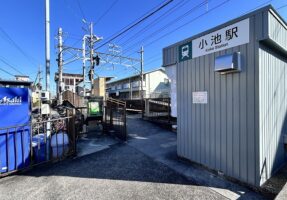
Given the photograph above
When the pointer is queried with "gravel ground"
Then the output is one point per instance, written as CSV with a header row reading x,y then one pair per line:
x,y
120,172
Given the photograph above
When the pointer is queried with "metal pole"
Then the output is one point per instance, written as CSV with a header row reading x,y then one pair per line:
x,y
84,64
92,56
47,40
141,74
60,65
47,43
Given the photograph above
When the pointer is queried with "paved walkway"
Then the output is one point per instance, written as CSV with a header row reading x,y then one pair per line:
x,y
146,167
106,169
160,145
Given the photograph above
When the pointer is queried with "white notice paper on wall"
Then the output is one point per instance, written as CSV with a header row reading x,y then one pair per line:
x,y
199,97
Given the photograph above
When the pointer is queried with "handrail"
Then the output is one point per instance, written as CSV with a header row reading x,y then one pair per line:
x,y
116,101
23,125
10,127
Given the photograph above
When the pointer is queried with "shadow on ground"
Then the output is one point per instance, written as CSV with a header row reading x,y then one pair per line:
x,y
147,167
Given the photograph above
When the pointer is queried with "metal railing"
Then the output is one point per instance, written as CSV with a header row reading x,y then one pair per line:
x,y
27,145
158,110
115,118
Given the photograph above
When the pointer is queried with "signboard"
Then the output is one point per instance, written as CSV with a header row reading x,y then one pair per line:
x,y
14,106
94,108
185,52
14,142
230,36
199,97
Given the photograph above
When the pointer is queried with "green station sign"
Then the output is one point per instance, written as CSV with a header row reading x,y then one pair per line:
x,y
185,52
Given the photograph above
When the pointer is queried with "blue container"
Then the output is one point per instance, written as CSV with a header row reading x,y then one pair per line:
x,y
14,149
60,144
39,147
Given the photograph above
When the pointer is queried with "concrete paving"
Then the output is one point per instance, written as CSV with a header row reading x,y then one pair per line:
x,y
160,145
120,172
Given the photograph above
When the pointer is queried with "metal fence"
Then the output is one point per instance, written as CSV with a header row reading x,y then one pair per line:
x,y
115,118
27,145
158,110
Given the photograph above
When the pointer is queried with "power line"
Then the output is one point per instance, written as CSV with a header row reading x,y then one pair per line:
x,y
281,7
5,61
135,20
185,24
154,22
68,5
6,72
107,11
141,20
13,43
129,48
81,10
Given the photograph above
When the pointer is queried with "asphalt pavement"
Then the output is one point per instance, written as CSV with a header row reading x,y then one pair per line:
x,y
119,172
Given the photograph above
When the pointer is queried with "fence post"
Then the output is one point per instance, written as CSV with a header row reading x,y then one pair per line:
x,y
72,132
169,110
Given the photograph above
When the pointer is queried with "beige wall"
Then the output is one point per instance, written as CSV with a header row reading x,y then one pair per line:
x,y
99,87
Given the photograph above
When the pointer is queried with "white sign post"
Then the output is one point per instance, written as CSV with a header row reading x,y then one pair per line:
x,y
230,36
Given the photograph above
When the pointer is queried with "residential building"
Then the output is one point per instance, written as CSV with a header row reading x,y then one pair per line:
x,y
99,86
69,81
22,78
155,84
15,83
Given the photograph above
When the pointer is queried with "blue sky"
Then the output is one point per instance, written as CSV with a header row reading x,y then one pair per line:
x,y
23,22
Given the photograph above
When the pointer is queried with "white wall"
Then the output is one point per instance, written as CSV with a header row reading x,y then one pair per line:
x,y
171,73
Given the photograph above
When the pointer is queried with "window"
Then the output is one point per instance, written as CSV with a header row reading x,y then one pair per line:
x,y
66,81
119,87
126,86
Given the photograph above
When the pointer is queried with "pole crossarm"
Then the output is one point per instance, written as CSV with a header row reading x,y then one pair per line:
x,y
117,59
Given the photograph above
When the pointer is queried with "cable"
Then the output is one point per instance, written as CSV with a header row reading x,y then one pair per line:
x,y
185,24
68,5
154,22
281,7
81,10
6,72
134,21
106,12
132,26
13,43
214,8
129,48
5,61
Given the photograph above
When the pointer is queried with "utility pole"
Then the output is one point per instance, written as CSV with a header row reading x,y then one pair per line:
x,y
40,78
141,75
47,44
60,65
92,56
84,63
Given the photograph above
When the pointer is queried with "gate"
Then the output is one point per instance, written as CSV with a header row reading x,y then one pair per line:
x,y
115,118
27,145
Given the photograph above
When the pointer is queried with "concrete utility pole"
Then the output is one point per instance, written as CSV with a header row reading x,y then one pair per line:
x,y
84,64
47,44
92,55
141,75
60,65
47,40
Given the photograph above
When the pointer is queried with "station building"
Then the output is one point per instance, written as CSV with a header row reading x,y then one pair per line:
x,y
231,96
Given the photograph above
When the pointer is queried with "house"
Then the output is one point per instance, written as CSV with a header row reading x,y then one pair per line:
x,y
69,81
155,84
